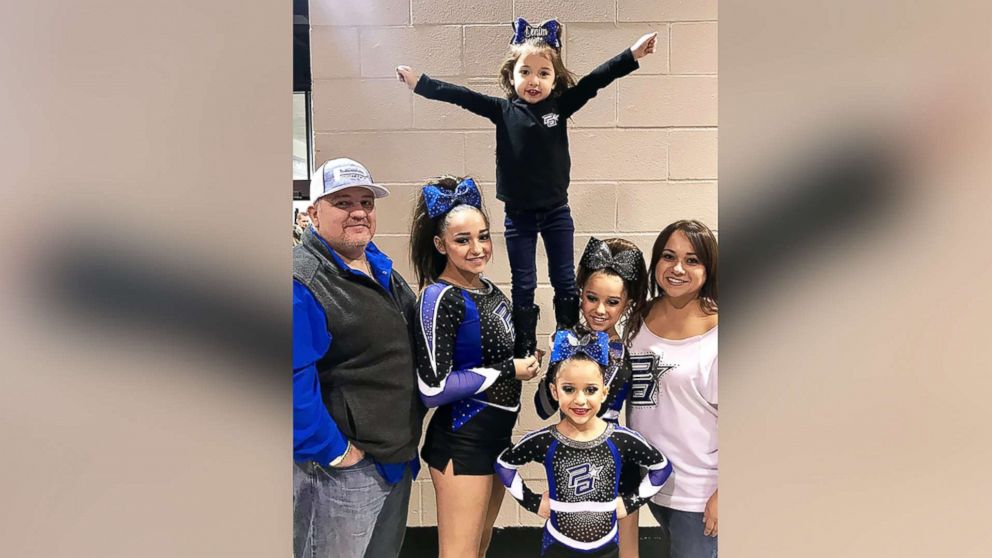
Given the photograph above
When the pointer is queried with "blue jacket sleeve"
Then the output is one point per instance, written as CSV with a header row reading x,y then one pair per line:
x,y
315,435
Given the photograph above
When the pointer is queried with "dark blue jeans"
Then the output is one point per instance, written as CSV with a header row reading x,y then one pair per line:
x,y
558,230
685,531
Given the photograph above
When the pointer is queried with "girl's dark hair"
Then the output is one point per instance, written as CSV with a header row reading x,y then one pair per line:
x,y
563,77
427,262
705,246
637,290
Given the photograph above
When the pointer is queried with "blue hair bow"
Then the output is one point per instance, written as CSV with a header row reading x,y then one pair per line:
x,y
547,32
566,344
441,200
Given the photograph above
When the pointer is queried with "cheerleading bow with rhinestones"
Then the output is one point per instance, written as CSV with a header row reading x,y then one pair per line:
x,y
597,255
441,200
567,344
547,31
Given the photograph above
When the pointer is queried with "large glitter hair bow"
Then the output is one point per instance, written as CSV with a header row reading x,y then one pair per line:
x,y
597,255
566,344
547,31
441,200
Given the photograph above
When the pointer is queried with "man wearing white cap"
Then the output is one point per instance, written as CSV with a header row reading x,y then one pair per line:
x,y
356,411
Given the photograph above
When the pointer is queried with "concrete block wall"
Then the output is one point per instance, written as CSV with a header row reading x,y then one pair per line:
x,y
644,151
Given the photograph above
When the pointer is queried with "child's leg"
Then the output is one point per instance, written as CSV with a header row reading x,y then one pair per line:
x,y
495,500
521,247
558,232
629,536
462,506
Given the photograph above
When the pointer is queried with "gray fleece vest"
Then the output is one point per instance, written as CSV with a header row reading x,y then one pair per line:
x,y
367,378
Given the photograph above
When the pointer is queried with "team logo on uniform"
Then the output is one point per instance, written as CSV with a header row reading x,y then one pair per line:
x,y
647,371
550,120
582,478
502,311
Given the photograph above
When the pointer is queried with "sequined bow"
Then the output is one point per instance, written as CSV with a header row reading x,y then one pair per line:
x,y
597,255
440,200
547,32
595,345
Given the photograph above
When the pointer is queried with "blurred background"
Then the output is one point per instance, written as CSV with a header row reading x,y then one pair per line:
x,y
145,331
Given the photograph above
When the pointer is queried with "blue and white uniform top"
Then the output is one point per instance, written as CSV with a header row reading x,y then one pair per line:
x,y
464,345
583,480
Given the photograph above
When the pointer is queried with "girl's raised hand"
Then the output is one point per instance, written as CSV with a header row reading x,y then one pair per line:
x,y
406,75
645,45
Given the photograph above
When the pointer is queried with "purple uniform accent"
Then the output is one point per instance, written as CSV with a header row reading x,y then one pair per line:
x,y
505,475
459,385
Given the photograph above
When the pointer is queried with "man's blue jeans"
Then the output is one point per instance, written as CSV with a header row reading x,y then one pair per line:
x,y
685,531
348,513
558,231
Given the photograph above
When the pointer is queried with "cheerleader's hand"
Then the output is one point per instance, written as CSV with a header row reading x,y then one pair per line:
x,y
621,509
406,75
645,45
526,368
545,509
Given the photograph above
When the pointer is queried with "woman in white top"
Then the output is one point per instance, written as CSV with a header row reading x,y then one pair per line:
x,y
673,401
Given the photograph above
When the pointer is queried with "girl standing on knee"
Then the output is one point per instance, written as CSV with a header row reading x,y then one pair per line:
x,y
674,387
464,351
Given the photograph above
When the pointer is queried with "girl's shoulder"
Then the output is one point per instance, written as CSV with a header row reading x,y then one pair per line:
x,y
437,294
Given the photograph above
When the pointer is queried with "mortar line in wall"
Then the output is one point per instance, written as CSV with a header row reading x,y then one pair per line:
x,y
669,47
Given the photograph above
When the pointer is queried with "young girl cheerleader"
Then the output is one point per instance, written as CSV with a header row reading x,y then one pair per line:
x,y
613,287
582,456
674,387
532,159
464,350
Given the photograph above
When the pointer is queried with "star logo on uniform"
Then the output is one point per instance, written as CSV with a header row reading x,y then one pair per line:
x,y
594,471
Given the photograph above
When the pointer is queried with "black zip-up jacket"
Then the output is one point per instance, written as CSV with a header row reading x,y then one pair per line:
x,y
532,160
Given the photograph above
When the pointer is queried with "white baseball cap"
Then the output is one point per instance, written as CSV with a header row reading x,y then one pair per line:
x,y
337,174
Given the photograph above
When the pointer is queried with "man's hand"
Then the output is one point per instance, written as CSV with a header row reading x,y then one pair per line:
x,y
545,509
407,76
645,45
709,516
354,455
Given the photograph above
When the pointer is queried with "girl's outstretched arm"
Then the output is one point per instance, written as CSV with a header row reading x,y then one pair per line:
x,y
472,101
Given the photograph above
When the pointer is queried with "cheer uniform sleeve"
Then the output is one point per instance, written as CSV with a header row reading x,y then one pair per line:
x,y
441,311
576,97
635,449
472,101
531,448
315,435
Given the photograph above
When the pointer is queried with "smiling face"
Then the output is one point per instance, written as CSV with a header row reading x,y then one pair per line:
x,y
579,390
533,77
465,241
680,272
603,301
345,219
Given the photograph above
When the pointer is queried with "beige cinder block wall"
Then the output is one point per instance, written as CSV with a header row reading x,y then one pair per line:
x,y
644,151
